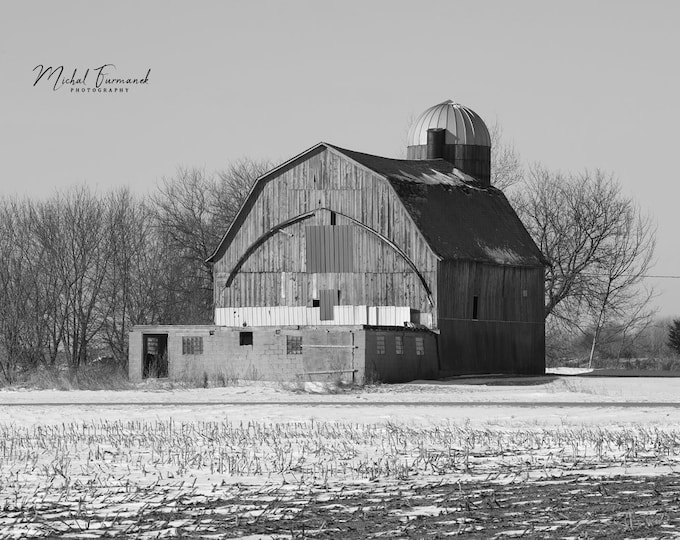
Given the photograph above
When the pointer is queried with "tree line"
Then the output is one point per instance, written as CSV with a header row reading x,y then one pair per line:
x,y
79,268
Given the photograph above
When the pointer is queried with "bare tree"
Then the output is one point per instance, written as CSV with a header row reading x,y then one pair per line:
x,y
192,211
599,246
234,184
184,212
134,284
73,229
615,292
17,290
31,320
506,164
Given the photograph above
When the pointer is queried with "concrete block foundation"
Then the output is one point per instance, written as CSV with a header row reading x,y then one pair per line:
x,y
218,354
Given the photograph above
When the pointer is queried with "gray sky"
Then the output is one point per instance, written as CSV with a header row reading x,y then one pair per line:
x,y
574,84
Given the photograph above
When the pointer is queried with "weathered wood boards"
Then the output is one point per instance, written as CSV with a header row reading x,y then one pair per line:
x,y
365,270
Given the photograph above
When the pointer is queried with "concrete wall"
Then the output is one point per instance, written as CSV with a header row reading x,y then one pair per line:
x,y
224,357
327,353
349,354
135,356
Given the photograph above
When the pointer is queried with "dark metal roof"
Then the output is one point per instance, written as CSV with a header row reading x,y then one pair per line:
x,y
459,217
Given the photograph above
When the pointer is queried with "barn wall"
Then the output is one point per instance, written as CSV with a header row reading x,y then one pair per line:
x,y
508,335
276,273
414,358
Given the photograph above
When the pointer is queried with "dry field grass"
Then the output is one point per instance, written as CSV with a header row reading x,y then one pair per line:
x,y
112,472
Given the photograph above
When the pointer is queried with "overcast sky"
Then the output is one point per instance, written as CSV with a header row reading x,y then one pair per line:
x,y
575,85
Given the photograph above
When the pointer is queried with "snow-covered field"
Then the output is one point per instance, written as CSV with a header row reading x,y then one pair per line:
x,y
269,459
476,400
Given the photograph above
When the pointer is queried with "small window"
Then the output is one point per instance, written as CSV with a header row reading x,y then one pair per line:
x,y
293,344
475,306
420,346
316,302
192,345
380,344
398,344
245,338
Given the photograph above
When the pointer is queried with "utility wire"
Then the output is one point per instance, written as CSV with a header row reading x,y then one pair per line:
x,y
634,275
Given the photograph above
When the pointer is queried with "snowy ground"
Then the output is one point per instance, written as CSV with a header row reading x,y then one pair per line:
x,y
477,400
558,455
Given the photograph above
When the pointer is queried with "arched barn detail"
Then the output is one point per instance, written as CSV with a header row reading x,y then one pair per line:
x,y
307,215
347,265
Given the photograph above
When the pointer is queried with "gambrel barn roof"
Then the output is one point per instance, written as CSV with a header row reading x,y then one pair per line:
x,y
459,217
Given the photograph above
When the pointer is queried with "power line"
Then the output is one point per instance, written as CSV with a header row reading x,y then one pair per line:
x,y
655,276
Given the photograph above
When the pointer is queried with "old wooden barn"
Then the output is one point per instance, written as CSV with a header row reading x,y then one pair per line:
x,y
347,265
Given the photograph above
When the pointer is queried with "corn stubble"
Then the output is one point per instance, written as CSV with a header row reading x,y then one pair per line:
x,y
150,479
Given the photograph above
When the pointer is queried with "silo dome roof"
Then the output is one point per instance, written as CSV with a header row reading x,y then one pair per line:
x,y
463,125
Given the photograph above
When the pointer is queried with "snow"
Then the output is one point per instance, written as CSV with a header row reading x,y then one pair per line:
x,y
568,371
493,401
113,471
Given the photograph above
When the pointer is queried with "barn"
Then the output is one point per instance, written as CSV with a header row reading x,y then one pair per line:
x,y
346,265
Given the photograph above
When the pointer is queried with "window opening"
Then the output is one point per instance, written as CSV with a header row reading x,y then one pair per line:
x,y
245,338
192,345
420,346
380,344
399,344
475,306
293,344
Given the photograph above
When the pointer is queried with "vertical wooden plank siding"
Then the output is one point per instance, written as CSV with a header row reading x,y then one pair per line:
x,y
509,335
366,270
